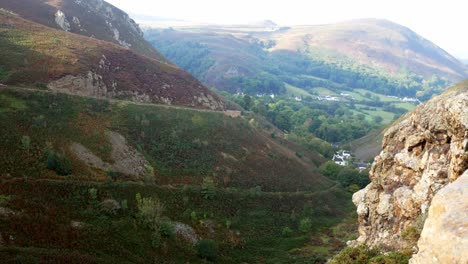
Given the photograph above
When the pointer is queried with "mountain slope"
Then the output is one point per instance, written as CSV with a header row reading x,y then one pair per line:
x,y
92,18
35,54
79,175
376,43
375,55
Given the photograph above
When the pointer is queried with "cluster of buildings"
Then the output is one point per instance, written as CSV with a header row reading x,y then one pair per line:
x,y
328,98
343,158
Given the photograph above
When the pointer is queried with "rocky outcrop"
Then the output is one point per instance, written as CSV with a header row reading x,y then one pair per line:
x,y
421,153
90,84
62,21
126,160
444,238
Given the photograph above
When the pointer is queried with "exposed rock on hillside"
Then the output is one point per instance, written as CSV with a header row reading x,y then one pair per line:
x,y
85,66
422,153
445,235
127,160
93,18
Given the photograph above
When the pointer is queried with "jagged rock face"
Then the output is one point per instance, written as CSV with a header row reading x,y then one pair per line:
x,y
421,154
445,235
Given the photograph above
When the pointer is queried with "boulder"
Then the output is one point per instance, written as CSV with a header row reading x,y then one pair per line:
x,y
444,238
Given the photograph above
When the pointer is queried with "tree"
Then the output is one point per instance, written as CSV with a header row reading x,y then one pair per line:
x,y
377,119
247,102
330,169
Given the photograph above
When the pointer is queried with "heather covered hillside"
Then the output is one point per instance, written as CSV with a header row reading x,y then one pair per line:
x,y
91,181
92,18
42,57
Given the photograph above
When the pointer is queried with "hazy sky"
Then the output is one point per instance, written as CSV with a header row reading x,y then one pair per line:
x,y
444,22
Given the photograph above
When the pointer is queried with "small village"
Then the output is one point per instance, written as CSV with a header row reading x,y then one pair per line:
x,y
344,158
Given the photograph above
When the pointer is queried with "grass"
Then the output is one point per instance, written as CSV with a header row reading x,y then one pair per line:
x,y
295,91
323,91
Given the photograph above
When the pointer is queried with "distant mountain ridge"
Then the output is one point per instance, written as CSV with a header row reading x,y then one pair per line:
x,y
377,43
377,55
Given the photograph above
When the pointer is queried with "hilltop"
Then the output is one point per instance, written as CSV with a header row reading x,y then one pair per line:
x,y
33,54
376,43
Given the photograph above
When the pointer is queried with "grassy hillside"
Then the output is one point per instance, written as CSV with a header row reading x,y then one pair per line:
x,y
248,192
34,54
91,18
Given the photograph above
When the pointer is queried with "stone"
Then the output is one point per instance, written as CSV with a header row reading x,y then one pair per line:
x,y
186,232
62,21
444,238
109,206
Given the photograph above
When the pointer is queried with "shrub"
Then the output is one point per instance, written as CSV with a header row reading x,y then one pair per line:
x,y
113,175
25,142
392,258
255,191
124,204
208,189
149,211
305,225
193,216
59,163
4,199
286,232
167,229
228,223
411,234
92,192
64,166
207,249
355,255
155,239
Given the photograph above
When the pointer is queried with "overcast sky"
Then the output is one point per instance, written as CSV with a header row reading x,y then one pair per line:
x,y
444,22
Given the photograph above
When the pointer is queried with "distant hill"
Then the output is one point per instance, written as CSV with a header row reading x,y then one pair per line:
x,y
376,43
34,54
373,54
92,18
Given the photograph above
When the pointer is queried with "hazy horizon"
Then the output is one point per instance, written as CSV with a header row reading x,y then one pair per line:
x,y
441,23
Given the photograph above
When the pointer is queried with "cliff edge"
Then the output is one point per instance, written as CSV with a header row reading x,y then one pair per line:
x,y
421,153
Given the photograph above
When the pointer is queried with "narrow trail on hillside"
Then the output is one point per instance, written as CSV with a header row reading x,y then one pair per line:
x,y
116,101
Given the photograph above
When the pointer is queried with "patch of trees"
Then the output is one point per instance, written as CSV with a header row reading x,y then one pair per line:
x,y
190,56
348,176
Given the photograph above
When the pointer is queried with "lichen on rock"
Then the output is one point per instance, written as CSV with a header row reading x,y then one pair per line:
x,y
421,153
444,238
